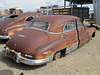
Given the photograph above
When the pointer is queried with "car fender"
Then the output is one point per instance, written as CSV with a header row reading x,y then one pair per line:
x,y
10,31
49,49
91,30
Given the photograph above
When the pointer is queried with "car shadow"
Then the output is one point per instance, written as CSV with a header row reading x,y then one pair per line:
x,y
12,64
3,41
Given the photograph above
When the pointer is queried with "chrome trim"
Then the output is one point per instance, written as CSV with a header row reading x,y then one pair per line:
x,y
55,33
21,35
33,62
4,31
20,59
4,37
46,31
15,26
37,29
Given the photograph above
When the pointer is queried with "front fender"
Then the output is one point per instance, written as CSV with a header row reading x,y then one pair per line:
x,y
49,49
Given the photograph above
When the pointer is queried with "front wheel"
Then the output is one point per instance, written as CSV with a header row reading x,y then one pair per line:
x,y
57,55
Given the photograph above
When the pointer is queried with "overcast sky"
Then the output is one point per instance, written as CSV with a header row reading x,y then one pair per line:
x,y
30,5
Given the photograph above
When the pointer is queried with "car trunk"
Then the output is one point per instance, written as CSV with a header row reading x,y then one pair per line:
x,y
28,40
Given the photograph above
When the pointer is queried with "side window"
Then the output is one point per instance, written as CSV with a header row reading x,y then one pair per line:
x,y
70,26
79,24
30,18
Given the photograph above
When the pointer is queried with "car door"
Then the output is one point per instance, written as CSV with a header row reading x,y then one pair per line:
x,y
70,34
82,33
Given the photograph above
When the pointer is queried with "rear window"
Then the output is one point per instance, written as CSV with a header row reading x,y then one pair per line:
x,y
39,24
13,16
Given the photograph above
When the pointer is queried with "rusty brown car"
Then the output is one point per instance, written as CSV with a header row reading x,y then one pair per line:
x,y
47,38
15,23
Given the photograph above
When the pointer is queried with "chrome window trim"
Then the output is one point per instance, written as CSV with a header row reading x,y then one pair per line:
x,y
46,31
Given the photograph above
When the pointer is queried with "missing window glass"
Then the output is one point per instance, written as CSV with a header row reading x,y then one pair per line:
x,y
13,16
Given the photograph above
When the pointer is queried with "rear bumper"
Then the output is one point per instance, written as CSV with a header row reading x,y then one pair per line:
x,y
4,37
20,59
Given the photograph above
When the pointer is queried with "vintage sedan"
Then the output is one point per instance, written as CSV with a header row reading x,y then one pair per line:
x,y
15,23
47,38
3,17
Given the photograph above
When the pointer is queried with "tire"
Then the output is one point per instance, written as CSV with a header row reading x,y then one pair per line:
x,y
57,55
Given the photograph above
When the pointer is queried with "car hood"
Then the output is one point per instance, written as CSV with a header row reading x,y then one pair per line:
x,y
27,40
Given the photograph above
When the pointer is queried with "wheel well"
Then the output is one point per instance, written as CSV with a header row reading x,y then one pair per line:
x,y
93,35
63,51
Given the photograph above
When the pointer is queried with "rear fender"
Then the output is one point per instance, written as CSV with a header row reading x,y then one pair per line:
x,y
49,49
91,31
13,30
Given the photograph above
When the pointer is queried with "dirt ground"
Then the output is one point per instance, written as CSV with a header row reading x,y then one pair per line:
x,y
83,61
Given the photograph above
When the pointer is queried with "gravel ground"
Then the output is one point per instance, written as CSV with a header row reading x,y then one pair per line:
x,y
83,61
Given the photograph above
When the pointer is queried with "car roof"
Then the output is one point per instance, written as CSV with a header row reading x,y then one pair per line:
x,y
21,16
10,21
56,20
24,15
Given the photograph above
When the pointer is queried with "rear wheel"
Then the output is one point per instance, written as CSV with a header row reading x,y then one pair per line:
x,y
57,55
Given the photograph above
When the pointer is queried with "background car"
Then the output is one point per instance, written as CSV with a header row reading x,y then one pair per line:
x,y
3,17
15,23
47,38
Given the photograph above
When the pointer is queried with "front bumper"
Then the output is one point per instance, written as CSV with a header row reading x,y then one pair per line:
x,y
19,59
4,37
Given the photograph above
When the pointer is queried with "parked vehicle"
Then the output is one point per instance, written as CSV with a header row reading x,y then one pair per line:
x,y
15,23
15,10
3,17
47,38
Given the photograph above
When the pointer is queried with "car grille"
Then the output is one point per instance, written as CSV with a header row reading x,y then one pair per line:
x,y
2,33
11,54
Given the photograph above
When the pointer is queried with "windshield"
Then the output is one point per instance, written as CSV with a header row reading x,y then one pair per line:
x,y
39,24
